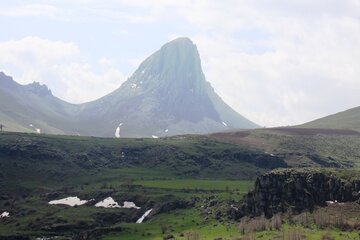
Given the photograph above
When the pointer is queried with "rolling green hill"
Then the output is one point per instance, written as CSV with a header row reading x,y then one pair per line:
x,y
50,159
301,147
349,119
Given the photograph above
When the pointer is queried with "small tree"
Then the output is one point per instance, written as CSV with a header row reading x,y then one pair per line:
x,y
1,127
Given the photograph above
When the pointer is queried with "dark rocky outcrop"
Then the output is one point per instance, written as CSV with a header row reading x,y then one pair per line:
x,y
297,190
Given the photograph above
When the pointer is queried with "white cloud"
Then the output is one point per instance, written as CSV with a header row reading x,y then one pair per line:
x,y
61,66
308,67
278,62
29,10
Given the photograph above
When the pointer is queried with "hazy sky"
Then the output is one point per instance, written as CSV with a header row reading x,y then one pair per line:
x,y
277,62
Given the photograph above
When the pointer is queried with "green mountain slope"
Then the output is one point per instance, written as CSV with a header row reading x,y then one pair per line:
x,y
30,107
349,119
301,147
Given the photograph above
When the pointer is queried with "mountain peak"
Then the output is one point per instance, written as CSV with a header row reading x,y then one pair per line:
x,y
174,68
177,58
5,77
7,82
170,86
182,44
181,41
38,89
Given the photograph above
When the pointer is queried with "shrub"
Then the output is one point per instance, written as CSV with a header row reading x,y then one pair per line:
x,y
192,236
327,236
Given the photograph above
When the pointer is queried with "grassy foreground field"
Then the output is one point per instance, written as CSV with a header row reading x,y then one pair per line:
x,y
189,224
167,175
190,182
32,216
198,184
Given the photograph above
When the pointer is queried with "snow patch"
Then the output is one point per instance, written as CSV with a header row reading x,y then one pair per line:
x,y
233,207
224,123
130,205
153,136
140,220
143,71
133,85
117,131
334,202
108,203
70,201
166,130
5,215
111,203
272,155
37,130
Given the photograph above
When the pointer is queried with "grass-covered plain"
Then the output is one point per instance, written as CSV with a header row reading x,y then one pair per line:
x,y
189,224
29,160
175,176
198,184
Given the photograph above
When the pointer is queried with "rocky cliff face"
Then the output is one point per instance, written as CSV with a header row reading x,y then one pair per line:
x,y
298,190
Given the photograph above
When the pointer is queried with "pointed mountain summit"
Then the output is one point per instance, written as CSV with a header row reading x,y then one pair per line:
x,y
174,77
167,95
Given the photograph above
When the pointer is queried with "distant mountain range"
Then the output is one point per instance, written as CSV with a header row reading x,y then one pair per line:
x,y
167,95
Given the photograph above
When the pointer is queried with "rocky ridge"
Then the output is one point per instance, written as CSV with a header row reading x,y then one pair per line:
x,y
298,190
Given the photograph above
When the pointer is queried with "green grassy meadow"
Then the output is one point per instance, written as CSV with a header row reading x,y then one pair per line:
x,y
189,181
144,191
